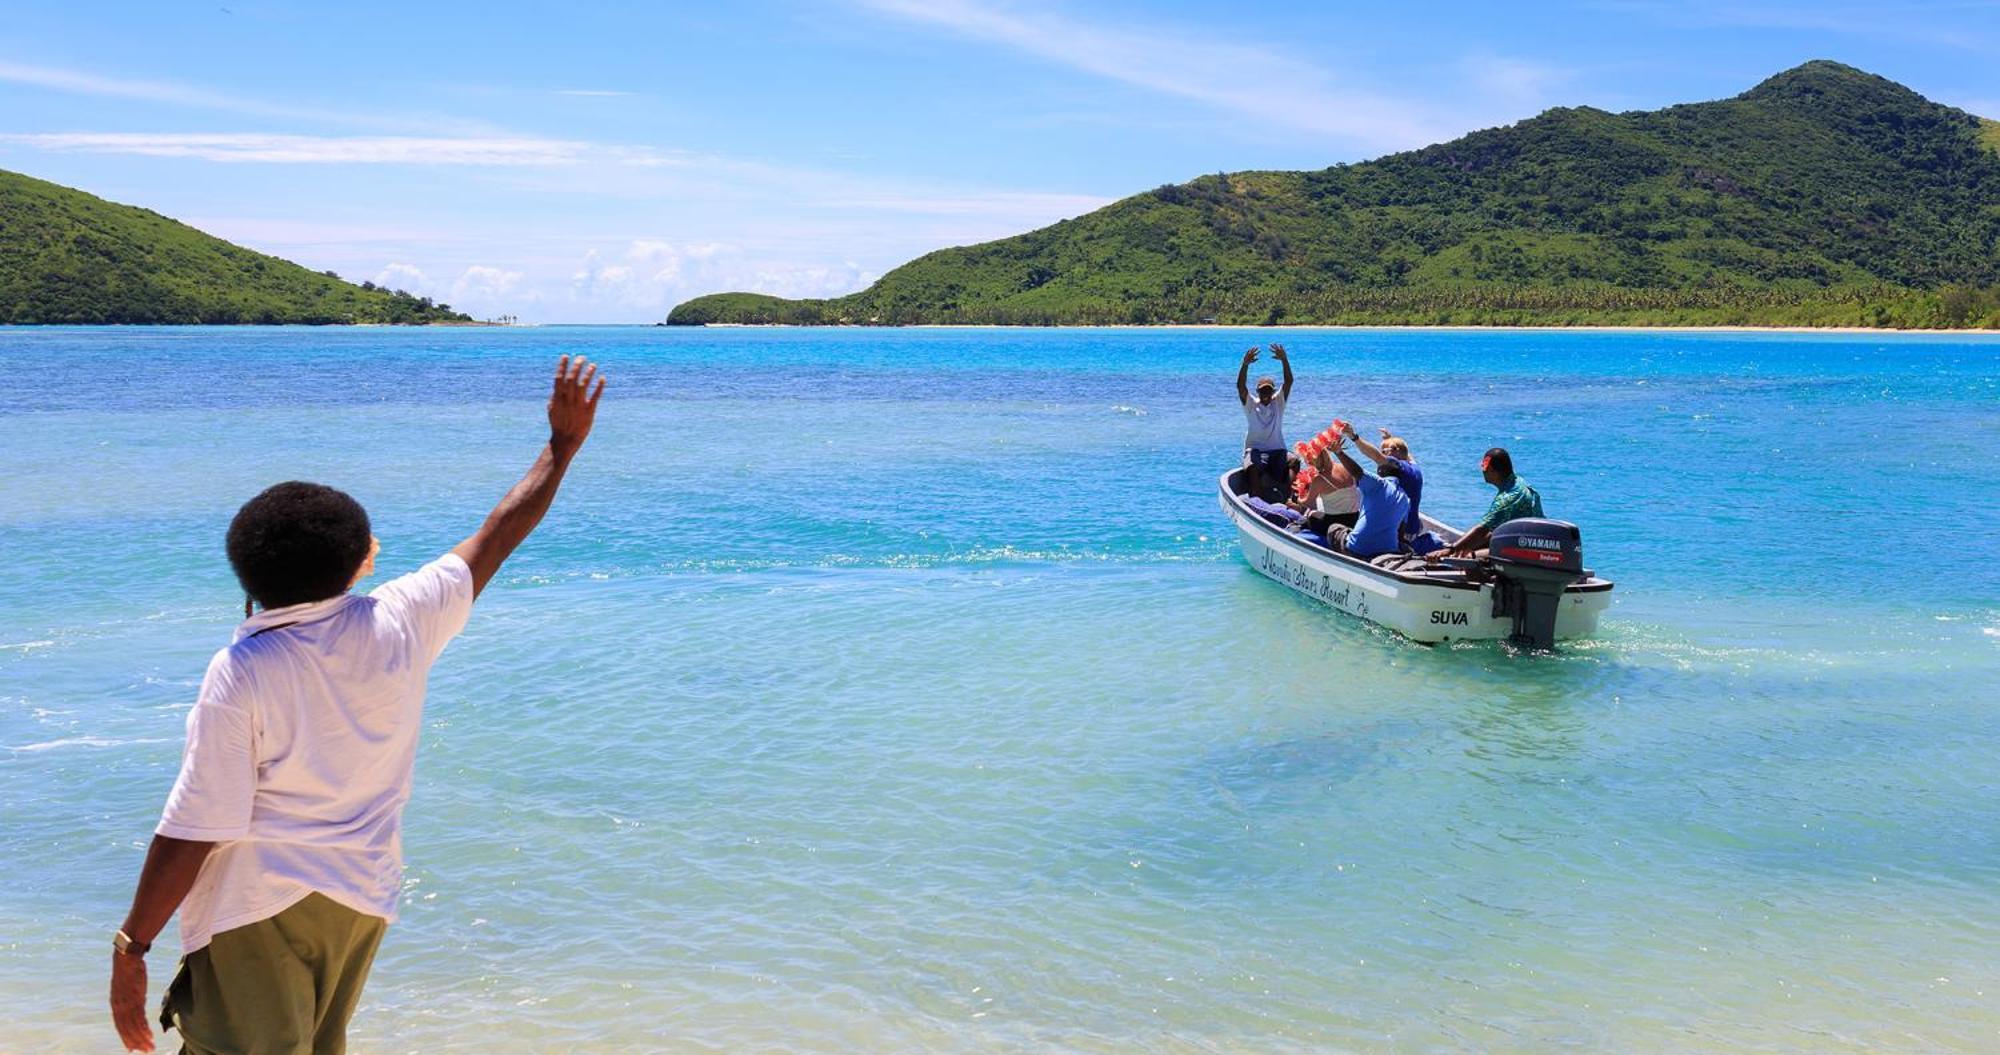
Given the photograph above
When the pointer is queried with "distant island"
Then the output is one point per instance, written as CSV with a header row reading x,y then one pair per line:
x,y
71,257
1825,196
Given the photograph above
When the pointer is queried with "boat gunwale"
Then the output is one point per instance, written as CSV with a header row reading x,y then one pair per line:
x,y
1242,512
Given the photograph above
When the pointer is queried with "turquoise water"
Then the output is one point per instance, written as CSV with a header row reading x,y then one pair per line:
x,y
903,690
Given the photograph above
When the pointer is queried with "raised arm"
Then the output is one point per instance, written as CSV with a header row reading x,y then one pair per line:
x,y
1243,376
572,410
1278,353
1373,452
1347,460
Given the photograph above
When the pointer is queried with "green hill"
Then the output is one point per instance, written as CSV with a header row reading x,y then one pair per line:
x,y
1823,196
71,257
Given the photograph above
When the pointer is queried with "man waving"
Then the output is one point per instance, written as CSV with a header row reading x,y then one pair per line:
x,y
1264,440
280,844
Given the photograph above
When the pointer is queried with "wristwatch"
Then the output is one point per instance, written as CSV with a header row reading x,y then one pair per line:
x,y
122,942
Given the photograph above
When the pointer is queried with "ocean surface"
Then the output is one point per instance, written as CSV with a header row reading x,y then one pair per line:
x,y
897,691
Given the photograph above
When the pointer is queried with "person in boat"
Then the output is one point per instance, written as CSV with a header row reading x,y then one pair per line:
x,y
1392,458
280,845
1514,499
1331,499
1384,507
1264,414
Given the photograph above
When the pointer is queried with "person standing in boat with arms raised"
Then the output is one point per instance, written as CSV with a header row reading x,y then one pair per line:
x,y
281,842
1264,413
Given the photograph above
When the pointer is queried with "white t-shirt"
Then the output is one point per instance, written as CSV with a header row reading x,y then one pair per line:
x,y
300,749
1267,423
1340,502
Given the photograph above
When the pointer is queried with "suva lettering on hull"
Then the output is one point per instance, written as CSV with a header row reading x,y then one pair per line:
x,y
1315,584
1449,618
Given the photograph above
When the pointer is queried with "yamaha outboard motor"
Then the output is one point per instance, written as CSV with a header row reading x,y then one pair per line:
x,y
1534,561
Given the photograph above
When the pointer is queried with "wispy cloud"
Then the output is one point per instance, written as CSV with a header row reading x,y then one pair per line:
x,y
1285,91
598,169
594,93
169,93
1518,83
737,223
246,147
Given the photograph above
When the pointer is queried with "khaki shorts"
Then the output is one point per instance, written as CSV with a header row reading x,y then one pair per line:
x,y
280,986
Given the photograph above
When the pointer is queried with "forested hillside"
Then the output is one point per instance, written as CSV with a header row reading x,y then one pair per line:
x,y
71,257
1823,196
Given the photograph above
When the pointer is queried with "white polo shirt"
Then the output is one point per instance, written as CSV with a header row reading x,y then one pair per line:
x,y
300,750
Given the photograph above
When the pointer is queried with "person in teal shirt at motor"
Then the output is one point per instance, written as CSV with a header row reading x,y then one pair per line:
x,y
1384,507
1514,500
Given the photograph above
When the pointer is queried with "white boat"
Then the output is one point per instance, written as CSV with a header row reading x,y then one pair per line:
x,y
1533,590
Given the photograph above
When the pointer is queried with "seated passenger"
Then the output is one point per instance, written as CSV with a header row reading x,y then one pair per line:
x,y
1384,507
1331,498
1392,458
1514,500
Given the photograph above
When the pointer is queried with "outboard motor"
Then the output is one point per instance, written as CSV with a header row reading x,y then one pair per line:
x,y
1534,561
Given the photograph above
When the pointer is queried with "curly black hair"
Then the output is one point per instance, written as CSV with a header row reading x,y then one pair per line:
x,y
298,542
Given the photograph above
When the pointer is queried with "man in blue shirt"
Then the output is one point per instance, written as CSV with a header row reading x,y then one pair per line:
x,y
1392,458
1384,507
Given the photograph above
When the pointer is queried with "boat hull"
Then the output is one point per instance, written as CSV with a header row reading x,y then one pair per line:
x,y
1426,611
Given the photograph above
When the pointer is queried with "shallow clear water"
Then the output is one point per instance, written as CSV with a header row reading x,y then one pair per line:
x,y
903,690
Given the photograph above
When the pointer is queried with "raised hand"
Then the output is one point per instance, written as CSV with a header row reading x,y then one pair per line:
x,y
1386,434
1278,352
572,409
1250,356
573,404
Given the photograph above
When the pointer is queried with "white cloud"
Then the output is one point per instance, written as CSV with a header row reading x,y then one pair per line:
x,y
483,285
82,82
313,150
1516,83
651,275
406,277
790,230
1284,91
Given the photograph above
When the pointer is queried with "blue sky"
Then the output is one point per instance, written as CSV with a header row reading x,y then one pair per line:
x,y
601,162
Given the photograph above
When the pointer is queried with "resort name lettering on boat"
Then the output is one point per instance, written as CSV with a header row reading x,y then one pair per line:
x,y
1311,583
